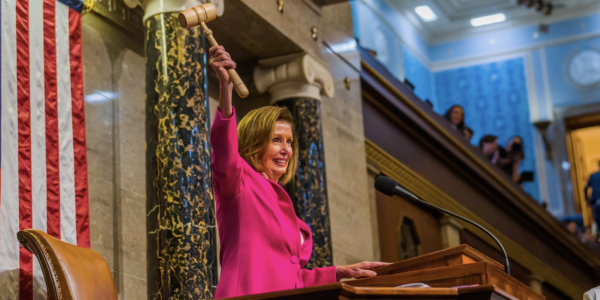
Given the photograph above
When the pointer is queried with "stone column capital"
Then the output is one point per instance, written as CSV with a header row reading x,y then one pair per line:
x,y
153,7
293,76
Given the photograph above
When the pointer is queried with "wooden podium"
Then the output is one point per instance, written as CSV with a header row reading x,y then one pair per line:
x,y
460,273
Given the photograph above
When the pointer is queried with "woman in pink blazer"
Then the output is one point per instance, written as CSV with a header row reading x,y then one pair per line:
x,y
264,246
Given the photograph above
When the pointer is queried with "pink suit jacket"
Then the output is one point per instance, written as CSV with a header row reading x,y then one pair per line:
x,y
258,228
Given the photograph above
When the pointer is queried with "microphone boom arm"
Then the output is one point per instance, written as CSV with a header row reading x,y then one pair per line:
x,y
411,196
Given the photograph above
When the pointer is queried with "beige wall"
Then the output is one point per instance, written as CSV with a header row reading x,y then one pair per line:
x,y
114,70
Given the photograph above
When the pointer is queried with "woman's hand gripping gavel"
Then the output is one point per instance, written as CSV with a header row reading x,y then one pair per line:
x,y
199,15
221,62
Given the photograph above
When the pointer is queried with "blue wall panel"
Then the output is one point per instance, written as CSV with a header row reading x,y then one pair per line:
x,y
387,16
562,90
375,34
418,74
494,98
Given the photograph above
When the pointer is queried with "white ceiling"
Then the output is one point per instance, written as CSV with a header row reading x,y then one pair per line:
x,y
454,15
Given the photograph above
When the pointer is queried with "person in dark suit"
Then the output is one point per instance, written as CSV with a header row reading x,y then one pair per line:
x,y
488,145
511,157
594,200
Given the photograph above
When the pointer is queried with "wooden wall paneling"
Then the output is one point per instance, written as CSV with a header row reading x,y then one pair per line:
x,y
390,212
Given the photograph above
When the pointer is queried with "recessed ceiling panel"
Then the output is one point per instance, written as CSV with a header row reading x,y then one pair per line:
x,y
454,16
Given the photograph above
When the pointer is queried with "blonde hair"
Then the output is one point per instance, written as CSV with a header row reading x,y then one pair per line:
x,y
255,132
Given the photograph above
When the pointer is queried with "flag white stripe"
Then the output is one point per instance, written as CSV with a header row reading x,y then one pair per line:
x,y
9,202
68,232
38,134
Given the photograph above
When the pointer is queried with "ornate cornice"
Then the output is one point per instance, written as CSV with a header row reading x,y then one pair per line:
x,y
153,7
293,76
412,181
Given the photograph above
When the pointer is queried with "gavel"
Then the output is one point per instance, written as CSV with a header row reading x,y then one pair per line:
x,y
199,15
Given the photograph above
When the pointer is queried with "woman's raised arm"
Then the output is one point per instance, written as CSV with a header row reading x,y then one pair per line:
x,y
220,61
227,164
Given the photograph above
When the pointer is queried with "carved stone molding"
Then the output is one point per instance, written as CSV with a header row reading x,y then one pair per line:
x,y
153,7
293,76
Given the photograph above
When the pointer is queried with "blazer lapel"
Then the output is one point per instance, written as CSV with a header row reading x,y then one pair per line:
x,y
286,206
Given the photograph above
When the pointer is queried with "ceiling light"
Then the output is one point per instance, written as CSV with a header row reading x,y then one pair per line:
x,y
343,47
487,20
426,13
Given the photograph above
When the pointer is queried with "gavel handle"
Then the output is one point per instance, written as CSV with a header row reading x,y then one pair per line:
x,y
238,84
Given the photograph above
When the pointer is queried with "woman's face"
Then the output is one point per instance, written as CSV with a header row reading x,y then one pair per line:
x,y
279,151
456,116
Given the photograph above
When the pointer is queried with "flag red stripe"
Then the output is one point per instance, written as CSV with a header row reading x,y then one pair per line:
x,y
24,121
79,145
52,155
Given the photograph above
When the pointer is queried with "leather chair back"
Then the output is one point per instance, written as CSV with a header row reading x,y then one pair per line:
x,y
70,272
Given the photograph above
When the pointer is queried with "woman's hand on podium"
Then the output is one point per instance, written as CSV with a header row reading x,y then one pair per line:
x,y
363,269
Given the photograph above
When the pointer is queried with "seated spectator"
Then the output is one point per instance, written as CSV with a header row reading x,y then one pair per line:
x,y
574,229
511,157
488,144
588,236
468,133
455,115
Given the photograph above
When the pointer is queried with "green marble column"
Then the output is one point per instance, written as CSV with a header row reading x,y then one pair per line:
x,y
180,212
308,190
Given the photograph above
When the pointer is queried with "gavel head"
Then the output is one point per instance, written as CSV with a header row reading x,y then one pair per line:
x,y
194,16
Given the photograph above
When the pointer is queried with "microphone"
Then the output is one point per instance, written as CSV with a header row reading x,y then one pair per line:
x,y
390,187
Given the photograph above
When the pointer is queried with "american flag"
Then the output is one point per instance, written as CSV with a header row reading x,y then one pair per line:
x,y
43,151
